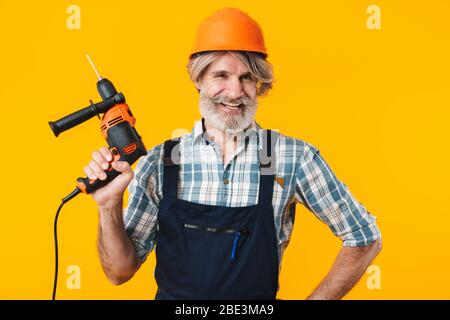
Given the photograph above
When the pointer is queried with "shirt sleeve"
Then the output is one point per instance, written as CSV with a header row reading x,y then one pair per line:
x,y
318,189
140,215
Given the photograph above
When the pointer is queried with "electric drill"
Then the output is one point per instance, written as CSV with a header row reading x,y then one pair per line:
x,y
117,127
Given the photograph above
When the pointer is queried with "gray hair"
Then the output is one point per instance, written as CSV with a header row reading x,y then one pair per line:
x,y
258,66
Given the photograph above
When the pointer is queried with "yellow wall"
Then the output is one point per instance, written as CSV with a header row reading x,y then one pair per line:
x,y
375,102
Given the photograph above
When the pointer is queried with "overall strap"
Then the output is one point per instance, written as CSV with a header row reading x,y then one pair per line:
x,y
267,165
267,158
171,168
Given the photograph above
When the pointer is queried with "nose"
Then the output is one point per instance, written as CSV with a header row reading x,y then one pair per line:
x,y
234,88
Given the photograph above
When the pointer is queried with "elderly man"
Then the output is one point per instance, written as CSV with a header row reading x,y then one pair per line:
x,y
218,204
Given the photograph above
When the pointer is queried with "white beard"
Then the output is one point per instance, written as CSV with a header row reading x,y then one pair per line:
x,y
225,122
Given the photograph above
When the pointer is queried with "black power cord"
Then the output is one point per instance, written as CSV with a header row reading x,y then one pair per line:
x,y
55,234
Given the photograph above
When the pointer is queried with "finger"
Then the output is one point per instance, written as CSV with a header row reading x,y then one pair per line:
x,y
124,168
100,159
118,165
90,173
106,153
121,166
97,170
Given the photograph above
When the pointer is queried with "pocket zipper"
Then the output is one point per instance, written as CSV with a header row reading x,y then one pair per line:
x,y
237,234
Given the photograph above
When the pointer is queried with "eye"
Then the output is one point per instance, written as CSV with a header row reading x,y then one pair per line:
x,y
221,75
247,77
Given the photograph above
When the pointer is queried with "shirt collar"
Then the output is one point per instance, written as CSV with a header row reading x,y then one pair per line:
x,y
199,130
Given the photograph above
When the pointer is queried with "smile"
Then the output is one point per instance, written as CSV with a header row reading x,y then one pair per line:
x,y
231,107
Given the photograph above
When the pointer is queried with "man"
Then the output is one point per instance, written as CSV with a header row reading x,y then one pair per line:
x,y
218,204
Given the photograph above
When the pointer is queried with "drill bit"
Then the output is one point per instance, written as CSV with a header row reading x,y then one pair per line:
x,y
93,67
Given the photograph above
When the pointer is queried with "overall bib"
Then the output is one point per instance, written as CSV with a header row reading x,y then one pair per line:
x,y
217,252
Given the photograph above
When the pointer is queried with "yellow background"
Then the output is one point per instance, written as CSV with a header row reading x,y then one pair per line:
x,y
375,102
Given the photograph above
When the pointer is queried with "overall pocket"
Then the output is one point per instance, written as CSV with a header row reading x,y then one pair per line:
x,y
238,233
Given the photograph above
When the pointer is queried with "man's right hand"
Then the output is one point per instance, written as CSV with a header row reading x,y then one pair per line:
x,y
112,193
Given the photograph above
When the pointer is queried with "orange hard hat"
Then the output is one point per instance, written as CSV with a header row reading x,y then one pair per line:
x,y
229,29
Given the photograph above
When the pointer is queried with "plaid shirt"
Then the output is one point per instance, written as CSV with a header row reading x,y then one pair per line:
x,y
302,176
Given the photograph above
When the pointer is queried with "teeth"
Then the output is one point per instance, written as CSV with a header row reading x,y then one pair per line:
x,y
230,105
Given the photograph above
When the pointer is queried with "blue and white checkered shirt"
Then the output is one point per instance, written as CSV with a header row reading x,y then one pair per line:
x,y
302,176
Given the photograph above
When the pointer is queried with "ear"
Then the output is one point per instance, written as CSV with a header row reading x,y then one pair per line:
x,y
198,85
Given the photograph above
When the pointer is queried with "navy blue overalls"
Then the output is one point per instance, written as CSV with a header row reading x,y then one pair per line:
x,y
217,252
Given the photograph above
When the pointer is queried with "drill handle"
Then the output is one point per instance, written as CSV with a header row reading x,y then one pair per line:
x,y
72,119
85,114
87,185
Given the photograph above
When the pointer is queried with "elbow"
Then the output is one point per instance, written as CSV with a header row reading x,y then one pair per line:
x,y
378,246
118,280
374,249
121,275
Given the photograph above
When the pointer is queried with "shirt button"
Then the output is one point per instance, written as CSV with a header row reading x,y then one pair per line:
x,y
226,181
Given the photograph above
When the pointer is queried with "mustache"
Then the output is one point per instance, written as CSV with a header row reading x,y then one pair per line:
x,y
224,99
